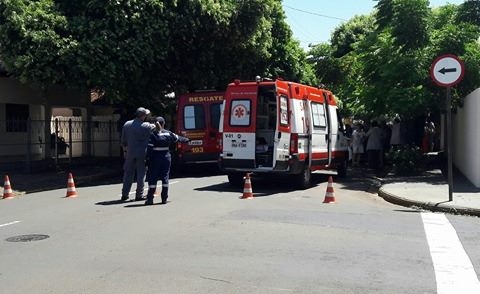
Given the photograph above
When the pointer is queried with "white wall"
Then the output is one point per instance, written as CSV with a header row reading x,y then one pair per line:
x,y
106,135
466,138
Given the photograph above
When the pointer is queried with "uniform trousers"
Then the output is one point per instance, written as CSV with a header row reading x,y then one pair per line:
x,y
159,169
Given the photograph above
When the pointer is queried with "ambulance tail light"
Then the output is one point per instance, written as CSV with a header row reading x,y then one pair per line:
x,y
293,143
219,144
180,148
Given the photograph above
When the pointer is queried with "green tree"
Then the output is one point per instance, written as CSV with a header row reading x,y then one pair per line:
x,y
409,24
394,61
336,64
469,12
136,49
35,41
451,35
347,35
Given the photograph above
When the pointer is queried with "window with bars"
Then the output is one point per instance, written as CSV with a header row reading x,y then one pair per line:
x,y
16,116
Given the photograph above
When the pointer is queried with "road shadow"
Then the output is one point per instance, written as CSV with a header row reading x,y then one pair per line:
x,y
461,184
195,171
118,201
111,202
143,205
264,186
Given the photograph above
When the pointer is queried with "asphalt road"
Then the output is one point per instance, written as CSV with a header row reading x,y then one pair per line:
x,y
207,240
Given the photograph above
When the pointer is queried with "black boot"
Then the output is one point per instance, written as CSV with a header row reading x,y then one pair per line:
x,y
150,196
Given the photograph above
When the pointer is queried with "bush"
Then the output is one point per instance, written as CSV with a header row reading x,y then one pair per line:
x,y
408,160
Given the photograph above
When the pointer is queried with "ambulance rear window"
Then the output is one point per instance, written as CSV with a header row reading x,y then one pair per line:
x,y
240,112
319,115
194,117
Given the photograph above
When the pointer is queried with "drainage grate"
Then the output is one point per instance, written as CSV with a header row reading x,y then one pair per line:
x,y
27,238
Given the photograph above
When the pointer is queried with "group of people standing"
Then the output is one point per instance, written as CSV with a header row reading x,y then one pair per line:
x,y
371,141
380,139
146,148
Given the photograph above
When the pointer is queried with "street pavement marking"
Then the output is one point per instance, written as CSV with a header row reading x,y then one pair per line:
x,y
454,271
10,223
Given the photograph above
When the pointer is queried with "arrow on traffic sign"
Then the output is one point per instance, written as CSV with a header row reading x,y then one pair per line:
x,y
445,70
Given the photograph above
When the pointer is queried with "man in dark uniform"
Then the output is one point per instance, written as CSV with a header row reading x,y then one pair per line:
x,y
159,160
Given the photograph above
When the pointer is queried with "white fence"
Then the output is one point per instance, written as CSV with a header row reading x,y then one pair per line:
x,y
64,137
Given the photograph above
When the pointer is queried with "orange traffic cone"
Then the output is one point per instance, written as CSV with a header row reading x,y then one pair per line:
x,y
329,194
7,189
71,191
247,188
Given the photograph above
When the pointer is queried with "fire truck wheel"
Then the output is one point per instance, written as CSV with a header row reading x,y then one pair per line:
x,y
235,179
303,180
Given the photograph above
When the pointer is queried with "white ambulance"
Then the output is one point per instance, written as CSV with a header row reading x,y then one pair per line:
x,y
278,127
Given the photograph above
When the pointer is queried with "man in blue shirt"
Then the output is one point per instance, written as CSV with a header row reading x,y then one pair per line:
x,y
135,134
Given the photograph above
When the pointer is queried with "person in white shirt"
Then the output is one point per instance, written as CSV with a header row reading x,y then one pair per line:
x,y
358,138
375,139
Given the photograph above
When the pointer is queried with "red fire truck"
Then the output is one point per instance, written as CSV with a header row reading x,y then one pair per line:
x,y
198,116
273,127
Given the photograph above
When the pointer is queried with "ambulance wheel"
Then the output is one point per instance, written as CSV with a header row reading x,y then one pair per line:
x,y
235,179
342,169
304,179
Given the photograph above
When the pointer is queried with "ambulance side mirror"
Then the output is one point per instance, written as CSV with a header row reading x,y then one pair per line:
x,y
279,135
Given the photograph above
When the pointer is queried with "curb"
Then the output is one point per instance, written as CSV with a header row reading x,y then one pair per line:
x,y
435,207
81,180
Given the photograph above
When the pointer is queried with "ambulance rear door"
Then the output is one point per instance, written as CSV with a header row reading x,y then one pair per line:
x,y
321,135
282,131
239,127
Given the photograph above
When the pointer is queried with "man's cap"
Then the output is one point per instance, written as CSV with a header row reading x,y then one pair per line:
x,y
142,111
160,120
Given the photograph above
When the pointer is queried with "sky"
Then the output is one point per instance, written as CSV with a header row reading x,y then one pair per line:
x,y
313,21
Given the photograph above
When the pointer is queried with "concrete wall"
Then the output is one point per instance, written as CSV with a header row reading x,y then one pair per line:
x,y
94,128
106,136
466,138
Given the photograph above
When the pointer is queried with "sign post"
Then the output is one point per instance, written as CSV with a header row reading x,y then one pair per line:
x,y
446,71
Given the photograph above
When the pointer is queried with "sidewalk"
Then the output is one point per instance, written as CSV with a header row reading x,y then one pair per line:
x,y
83,173
430,192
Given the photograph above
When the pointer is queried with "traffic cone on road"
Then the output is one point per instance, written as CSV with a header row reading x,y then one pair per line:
x,y
7,189
71,191
329,194
247,188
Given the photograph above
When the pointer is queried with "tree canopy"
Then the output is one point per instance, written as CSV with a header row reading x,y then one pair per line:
x,y
379,64
135,50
